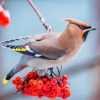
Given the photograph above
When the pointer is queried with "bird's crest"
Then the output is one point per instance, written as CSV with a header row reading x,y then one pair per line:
x,y
74,21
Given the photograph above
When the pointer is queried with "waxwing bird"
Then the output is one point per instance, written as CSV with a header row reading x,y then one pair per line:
x,y
54,49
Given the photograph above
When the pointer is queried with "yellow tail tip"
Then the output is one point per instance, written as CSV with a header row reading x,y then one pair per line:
x,y
5,81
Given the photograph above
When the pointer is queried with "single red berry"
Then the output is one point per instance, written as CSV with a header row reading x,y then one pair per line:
x,y
32,82
26,85
4,18
17,81
65,83
52,94
45,87
64,77
39,84
53,81
35,75
61,84
48,83
67,92
64,96
29,75
45,79
54,87
40,96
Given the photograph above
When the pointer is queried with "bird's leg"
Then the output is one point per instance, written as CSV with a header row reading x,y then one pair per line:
x,y
47,74
52,72
59,70
33,69
42,72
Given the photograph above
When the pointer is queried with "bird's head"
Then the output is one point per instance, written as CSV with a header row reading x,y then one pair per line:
x,y
79,27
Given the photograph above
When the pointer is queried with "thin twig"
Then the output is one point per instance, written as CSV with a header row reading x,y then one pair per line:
x,y
47,26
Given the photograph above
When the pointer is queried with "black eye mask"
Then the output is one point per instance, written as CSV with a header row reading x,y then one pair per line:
x,y
83,28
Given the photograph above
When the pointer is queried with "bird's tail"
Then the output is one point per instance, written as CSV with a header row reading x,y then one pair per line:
x,y
12,73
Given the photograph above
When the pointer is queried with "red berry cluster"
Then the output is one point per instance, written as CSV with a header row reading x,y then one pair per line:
x,y
36,85
4,18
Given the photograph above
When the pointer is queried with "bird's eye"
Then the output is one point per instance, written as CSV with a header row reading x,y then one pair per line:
x,y
81,27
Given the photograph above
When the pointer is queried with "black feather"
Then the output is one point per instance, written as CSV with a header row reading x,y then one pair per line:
x,y
85,35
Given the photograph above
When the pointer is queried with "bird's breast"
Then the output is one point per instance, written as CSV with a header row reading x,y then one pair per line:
x,y
71,50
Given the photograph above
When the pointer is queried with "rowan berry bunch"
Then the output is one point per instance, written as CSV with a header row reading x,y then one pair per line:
x,y
4,17
48,85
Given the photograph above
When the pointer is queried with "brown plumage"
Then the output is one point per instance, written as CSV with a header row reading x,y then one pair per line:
x,y
54,49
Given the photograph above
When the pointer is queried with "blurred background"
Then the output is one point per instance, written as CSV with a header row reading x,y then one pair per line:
x,y
83,71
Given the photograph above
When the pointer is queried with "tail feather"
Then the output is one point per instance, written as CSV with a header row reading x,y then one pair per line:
x,y
25,49
20,48
12,73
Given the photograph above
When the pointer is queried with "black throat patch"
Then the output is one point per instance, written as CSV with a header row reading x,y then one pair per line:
x,y
85,35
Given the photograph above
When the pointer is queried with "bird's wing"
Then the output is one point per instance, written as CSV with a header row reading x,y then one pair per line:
x,y
39,49
20,48
39,37
48,48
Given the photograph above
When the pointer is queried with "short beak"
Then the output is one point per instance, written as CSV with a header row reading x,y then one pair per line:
x,y
91,29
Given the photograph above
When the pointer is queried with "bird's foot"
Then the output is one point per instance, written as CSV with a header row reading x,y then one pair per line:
x,y
42,72
55,72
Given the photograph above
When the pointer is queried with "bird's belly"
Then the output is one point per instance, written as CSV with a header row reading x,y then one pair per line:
x,y
42,63
46,63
